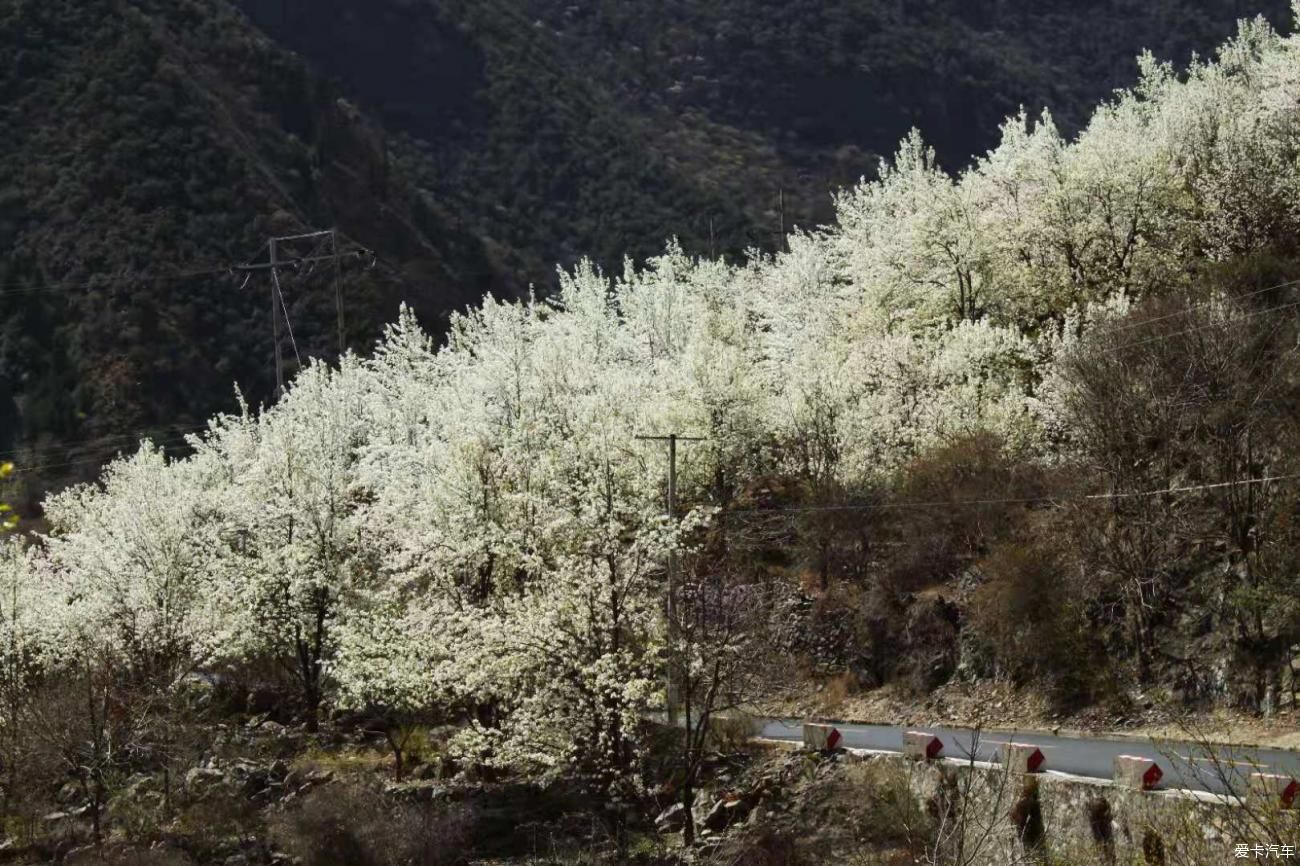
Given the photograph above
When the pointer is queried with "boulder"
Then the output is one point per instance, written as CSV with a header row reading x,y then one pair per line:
x,y
140,783
200,781
706,845
253,780
727,813
736,810
717,817
318,777
198,689
140,791
71,792
672,819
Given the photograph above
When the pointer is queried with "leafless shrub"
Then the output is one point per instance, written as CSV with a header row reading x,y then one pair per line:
x,y
765,848
1102,824
350,825
1034,623
124,856
1202,832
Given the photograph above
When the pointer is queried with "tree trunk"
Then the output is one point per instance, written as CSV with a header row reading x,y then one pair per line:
x,y
311,693
688,802
395,743
96,806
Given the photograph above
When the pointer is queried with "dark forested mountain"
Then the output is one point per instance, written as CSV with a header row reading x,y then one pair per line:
x,y
860,73
599,128
543,158
145,140
473,144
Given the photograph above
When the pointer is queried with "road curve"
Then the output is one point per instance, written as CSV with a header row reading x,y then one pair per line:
x,y
1217,769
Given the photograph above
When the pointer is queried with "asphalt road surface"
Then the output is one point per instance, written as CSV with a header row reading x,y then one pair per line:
x,y
1218,769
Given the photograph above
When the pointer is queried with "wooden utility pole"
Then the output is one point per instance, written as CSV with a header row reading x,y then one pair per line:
x,y
670,602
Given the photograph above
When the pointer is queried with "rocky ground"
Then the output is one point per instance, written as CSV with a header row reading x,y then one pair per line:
x,y
258,793
799,807
254,792
265,794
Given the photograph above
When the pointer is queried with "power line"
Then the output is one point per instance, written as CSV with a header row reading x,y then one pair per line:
x,y
46,466
23,470
1191,307
1015,500
164,432
1161,337
389,269
296,263
20,289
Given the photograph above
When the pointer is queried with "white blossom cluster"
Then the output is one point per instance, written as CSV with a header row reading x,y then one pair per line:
x,y
478,524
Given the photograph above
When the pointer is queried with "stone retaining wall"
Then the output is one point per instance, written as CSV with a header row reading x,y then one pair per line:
x,y
1069,819
1076,821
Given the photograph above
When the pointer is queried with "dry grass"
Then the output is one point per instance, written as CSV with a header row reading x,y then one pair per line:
x,y
345,762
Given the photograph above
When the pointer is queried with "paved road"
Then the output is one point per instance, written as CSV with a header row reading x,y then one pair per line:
x,y
1186,766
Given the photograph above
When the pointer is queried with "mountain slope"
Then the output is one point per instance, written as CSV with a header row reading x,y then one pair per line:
x,y
538,155
862,72
567,128
151,138
473,145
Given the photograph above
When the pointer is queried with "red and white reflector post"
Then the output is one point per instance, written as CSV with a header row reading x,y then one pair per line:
x,y
1278,788
921,746
1022,757
1134,772
823,738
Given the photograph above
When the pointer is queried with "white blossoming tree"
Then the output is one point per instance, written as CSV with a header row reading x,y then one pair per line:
x,y
391,661
30,646
290,506
137,559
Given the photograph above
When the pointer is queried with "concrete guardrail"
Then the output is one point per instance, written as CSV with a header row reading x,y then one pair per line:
x,y
1022,757
1279,789
1142,774
821,737
921,746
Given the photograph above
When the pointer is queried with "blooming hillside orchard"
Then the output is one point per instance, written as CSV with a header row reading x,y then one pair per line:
x,y
476,527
